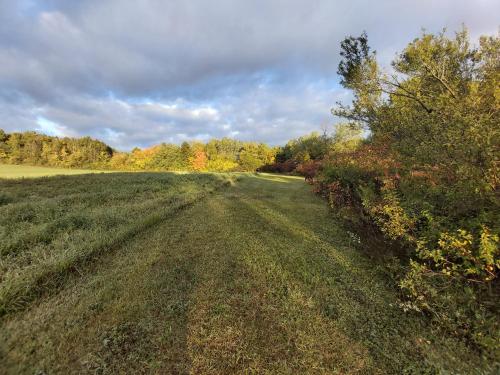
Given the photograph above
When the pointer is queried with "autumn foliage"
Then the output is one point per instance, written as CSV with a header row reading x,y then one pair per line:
x,y
427,177
220,155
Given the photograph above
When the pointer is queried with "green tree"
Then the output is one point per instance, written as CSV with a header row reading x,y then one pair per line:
x,y
347,137
438,107
4,148
186,152
435,117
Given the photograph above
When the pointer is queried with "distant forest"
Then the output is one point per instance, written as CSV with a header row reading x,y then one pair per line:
x,y
217,155
222,155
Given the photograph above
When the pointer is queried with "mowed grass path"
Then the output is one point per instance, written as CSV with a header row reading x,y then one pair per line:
x,y
254,278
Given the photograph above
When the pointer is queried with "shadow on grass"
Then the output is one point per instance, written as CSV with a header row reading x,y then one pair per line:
x,y
259,278
346,289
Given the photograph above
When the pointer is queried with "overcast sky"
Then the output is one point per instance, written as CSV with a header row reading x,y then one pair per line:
x,y
141,72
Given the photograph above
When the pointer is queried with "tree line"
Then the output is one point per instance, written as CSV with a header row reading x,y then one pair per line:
x,y
38,149
219,155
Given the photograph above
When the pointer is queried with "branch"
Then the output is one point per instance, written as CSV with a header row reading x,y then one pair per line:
x,y
348,113
409,95
440,80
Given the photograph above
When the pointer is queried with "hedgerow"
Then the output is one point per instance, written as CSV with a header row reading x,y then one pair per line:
x,y
427,177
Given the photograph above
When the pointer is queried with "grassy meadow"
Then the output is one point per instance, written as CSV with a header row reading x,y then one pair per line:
x,y
198,273
27,171
49,227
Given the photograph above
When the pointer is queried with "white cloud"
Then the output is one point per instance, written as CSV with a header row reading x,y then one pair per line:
x,y
50,127
177,112
146,71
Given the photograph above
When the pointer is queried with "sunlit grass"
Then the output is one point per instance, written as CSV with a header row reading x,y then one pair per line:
x,y
50,226
279,178
25,171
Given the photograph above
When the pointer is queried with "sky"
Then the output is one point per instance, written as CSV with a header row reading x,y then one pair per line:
x,y
142,72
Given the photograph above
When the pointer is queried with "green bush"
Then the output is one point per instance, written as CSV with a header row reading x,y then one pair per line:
x,y
428,176
452,274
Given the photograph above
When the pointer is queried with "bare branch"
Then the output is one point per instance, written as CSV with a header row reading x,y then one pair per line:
x,y
440,79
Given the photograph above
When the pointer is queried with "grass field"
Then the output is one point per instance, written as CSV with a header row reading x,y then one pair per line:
x,y
26,171
202,274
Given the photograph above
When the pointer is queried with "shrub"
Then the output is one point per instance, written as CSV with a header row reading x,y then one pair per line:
x,y
428,179
464,309
309,169
287,166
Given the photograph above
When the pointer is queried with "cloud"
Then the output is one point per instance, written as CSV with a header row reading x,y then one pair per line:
x,y
266,113
146,71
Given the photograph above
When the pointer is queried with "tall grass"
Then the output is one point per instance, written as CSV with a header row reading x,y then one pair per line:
x,y
49,227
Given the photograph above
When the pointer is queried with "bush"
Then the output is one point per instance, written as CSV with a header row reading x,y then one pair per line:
x,y
287,166
428,179
309,169
452,276
464,309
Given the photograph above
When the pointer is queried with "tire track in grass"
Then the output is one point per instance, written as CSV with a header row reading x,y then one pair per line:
x,y
242,320
129,313
19,295
345,289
